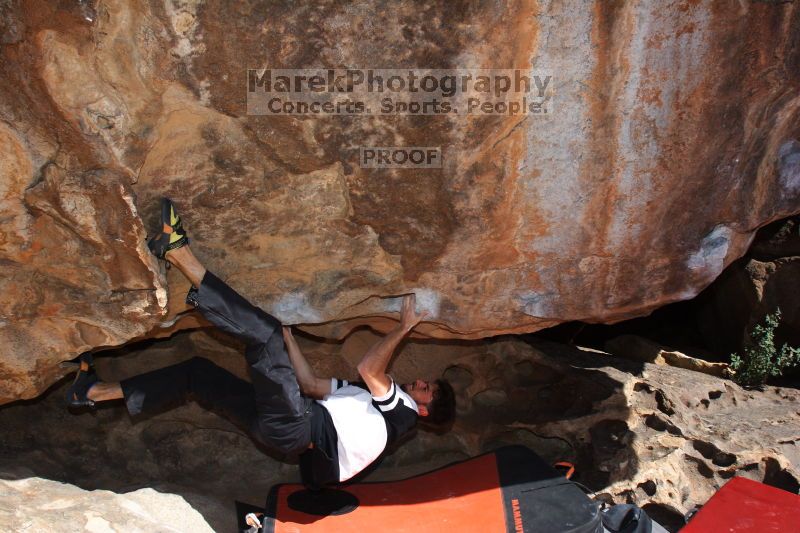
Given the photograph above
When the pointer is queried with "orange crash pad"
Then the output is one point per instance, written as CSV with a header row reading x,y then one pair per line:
x,y
511,489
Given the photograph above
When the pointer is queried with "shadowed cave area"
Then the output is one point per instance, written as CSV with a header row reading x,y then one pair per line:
x,y
508,393
630,428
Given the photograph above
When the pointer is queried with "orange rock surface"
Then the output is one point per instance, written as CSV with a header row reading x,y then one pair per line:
x,y
675,134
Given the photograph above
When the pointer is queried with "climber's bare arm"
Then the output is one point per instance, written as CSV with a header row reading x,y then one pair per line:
x,y
373,365
310,384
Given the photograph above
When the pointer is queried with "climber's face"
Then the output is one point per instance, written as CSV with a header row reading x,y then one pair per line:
x,y
420,391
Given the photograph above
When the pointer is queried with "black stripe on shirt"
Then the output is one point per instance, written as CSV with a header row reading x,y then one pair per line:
x,y
388,400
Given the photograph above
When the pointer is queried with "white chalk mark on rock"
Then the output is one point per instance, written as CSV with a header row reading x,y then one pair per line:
x,y
709,260
789,166
294,308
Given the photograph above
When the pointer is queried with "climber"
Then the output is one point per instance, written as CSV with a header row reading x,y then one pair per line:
x,y
334,427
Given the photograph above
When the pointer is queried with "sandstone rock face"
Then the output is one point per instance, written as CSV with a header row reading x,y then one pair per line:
x,y
687,433
674,135
657,436
75,272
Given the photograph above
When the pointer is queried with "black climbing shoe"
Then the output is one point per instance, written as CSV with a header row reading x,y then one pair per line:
x,y
84,379
172,235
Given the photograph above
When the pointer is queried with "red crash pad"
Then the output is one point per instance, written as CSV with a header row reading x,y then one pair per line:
x,y
746,506
508,490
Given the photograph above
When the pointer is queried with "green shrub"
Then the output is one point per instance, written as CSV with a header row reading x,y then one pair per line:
x,y
762,359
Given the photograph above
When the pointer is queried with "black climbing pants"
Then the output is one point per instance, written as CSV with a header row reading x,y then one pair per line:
x,y
272,408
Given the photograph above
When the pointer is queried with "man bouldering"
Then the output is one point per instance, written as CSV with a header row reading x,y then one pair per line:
x,y
335,428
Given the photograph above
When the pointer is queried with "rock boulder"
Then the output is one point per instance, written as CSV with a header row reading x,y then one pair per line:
x,y
42,505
